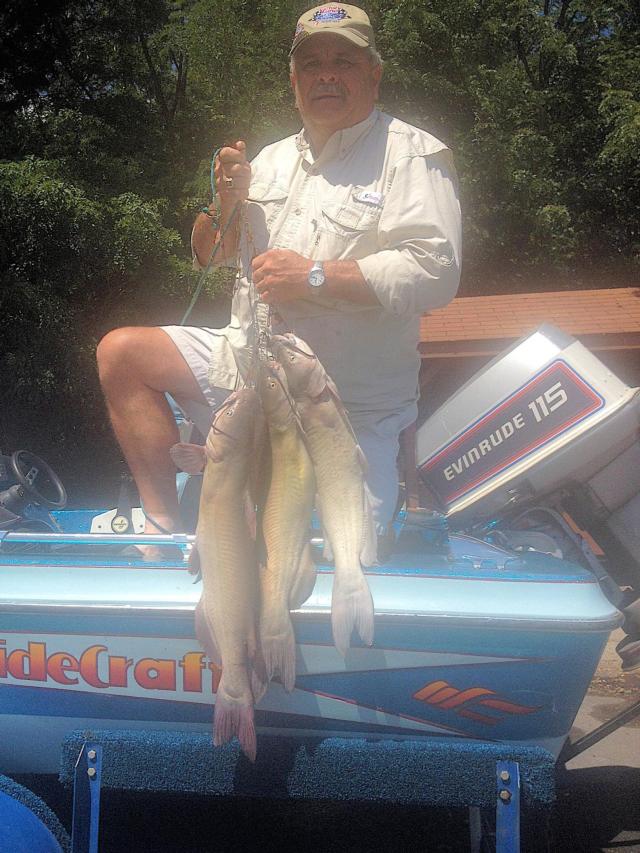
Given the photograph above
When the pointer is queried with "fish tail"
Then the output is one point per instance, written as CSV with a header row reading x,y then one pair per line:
x,y
231,719
247,734
351,609
279,652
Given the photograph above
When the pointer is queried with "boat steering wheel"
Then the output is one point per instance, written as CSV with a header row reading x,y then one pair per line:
x,y
40,482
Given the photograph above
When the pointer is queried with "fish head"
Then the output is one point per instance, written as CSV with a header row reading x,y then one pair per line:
x,y
305,374
232,430
274,395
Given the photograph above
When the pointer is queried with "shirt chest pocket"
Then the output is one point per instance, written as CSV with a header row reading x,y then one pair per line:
x,y
265,204
349,229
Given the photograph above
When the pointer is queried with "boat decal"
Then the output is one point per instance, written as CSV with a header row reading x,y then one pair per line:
x,y
445,696
543,408
400,720
138,664
373,687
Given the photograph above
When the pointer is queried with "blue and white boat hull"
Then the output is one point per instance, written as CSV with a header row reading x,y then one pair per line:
x,y
471,642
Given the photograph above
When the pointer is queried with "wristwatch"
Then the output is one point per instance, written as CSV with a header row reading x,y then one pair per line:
x,y
316,277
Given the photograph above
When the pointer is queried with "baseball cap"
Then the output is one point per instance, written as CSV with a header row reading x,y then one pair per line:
x,y
348,21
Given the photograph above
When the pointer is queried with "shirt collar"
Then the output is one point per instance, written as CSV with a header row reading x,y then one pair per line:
x,y
340,143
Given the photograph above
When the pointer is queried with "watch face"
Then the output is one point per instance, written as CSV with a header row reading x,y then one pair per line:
x,y
316,277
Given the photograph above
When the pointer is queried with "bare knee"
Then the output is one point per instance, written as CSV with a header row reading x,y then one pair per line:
x,y
136,358
116,353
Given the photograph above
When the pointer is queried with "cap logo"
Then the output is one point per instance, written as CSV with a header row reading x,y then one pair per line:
x,y
329,13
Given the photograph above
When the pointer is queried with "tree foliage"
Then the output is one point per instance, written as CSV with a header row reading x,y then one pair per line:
x,y
111,110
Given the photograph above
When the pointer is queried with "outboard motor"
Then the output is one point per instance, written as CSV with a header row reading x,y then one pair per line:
x,y
540,450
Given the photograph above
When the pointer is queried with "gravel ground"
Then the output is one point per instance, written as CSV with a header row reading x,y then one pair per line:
x,y
598,807
609,679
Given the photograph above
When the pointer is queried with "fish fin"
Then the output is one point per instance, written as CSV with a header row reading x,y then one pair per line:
x,y
250,515
332,388
351,609
205,634
212,454
259,481
260,469
232,718
257,671
369,549
188,457
327,550
193,564
362,460
259,677
279,652
304,581
318,380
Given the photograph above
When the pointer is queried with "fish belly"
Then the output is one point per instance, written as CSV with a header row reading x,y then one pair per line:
x,y
229,596
343,504
286,522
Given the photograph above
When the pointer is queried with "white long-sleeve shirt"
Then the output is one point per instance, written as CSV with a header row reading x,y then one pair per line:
x,y
384,194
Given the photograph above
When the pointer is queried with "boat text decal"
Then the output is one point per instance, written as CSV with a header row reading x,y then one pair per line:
x,y
551,403
99,667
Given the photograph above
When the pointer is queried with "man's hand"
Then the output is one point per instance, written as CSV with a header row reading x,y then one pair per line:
x,y
233,173
280,275
231,166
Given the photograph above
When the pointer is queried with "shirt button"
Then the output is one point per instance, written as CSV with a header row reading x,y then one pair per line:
x,y
297,211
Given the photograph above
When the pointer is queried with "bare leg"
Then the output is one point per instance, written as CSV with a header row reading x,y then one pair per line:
x,y
136,366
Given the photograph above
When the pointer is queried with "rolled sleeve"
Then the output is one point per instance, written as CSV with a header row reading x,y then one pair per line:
x,y
417,267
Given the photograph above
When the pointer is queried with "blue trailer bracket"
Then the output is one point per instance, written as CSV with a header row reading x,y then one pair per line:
x,y
508,807
446,773
87,779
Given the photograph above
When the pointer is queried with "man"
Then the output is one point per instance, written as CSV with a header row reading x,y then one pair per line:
x,y
350,230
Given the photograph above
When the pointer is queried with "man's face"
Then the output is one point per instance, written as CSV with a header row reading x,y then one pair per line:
x,y
334,82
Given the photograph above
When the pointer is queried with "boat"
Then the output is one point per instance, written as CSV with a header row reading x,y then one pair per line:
x,y
472,642
480,635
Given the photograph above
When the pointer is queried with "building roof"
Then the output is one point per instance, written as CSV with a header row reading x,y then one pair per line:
x,y
485,325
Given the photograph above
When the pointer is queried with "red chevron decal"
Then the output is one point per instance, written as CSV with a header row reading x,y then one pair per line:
x,y
479,718
466,696
443,695
423,694
507,707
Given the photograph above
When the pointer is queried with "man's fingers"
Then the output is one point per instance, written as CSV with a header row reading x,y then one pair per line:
x,y
258,261
260,269
234,153
234,172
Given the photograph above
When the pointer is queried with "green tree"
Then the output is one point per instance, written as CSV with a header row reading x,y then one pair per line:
x,y
111,111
